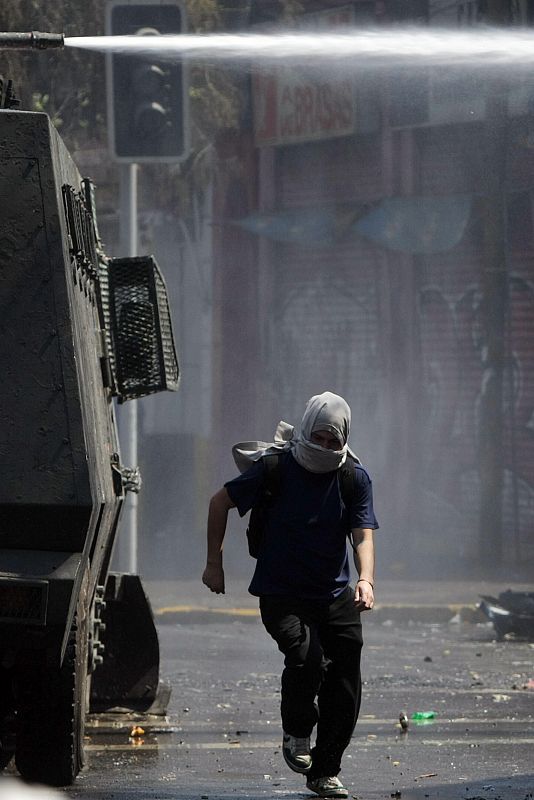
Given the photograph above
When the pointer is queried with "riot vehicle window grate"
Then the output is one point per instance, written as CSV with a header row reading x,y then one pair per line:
x,y
143,346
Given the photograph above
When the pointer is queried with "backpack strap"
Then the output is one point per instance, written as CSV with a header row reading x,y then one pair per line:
x,y
347,484
347,487
269,491
271,486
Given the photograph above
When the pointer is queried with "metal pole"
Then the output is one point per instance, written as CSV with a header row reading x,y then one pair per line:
x,y
128,422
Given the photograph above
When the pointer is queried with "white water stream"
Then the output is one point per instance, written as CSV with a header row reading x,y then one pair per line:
x,y
480,46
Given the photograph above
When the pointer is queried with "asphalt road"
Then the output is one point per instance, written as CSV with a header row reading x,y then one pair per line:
x,y
222,735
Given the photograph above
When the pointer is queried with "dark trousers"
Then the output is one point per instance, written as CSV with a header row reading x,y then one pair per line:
x,y
321,684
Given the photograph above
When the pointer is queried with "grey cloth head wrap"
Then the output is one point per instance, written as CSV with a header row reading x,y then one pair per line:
x,y
324,412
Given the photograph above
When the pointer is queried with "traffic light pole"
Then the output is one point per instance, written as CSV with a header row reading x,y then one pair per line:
x,y
128,421
147,123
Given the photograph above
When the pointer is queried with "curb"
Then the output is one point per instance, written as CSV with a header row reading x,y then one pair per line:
x,y
398,612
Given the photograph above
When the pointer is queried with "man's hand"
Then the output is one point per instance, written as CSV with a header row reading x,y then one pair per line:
x,y
213,578
363,596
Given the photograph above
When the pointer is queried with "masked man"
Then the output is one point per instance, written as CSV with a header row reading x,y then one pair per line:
x,y
302,579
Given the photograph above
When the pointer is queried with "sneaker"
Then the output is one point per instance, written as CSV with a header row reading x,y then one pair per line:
x,y
327,787
296,752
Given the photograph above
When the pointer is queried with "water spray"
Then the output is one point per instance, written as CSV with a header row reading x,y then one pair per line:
x,y
366,48
31,41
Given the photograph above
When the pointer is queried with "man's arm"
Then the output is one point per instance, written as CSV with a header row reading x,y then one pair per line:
x,y
364,561
213,575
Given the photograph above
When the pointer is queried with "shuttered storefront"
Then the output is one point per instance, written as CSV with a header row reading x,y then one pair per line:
x,y
324,329
340,307
452,341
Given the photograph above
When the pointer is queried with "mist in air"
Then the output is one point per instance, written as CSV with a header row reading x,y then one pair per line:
x,y
368,230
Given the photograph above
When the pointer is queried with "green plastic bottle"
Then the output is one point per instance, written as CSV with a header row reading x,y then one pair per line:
x,y
423,715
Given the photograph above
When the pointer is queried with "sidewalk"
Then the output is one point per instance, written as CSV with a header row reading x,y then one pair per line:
x,y
422,601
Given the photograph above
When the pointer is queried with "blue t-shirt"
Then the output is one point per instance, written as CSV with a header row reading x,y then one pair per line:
x,y
304,553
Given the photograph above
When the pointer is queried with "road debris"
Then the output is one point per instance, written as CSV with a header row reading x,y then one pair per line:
x,y
512,613
136,736
403,719
420,716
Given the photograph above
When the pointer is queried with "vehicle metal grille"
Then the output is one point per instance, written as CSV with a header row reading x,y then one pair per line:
x,y
144,354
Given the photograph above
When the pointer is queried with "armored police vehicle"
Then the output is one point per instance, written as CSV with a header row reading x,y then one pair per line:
x,y
78,332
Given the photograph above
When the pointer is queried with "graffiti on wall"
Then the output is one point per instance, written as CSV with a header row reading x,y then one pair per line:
x,y
452,352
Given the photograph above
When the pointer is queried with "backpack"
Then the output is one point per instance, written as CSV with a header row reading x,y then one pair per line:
x,y
271,489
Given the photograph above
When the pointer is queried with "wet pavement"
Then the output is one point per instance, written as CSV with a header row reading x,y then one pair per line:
x,y
221,738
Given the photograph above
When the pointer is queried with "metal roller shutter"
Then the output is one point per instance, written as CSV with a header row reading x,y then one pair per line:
x,y
324,327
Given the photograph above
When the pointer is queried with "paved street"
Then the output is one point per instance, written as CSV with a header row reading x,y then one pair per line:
x,y
223,734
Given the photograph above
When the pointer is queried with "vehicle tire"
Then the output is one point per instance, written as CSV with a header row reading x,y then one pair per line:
x,y
52,709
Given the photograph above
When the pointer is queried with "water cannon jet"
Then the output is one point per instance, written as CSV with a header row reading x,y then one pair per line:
x,y
34,40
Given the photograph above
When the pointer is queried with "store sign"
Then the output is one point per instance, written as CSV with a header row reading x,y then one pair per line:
x,y
293,105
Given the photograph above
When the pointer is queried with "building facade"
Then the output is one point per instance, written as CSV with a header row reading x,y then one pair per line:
x,y
377,241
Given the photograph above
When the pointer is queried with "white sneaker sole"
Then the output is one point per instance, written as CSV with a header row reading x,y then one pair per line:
x,y
294,767
342,794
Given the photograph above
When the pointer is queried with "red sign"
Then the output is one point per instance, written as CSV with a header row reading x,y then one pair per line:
x,y
290,105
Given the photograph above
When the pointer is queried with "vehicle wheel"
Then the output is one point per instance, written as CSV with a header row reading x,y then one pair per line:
x,y
51,713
